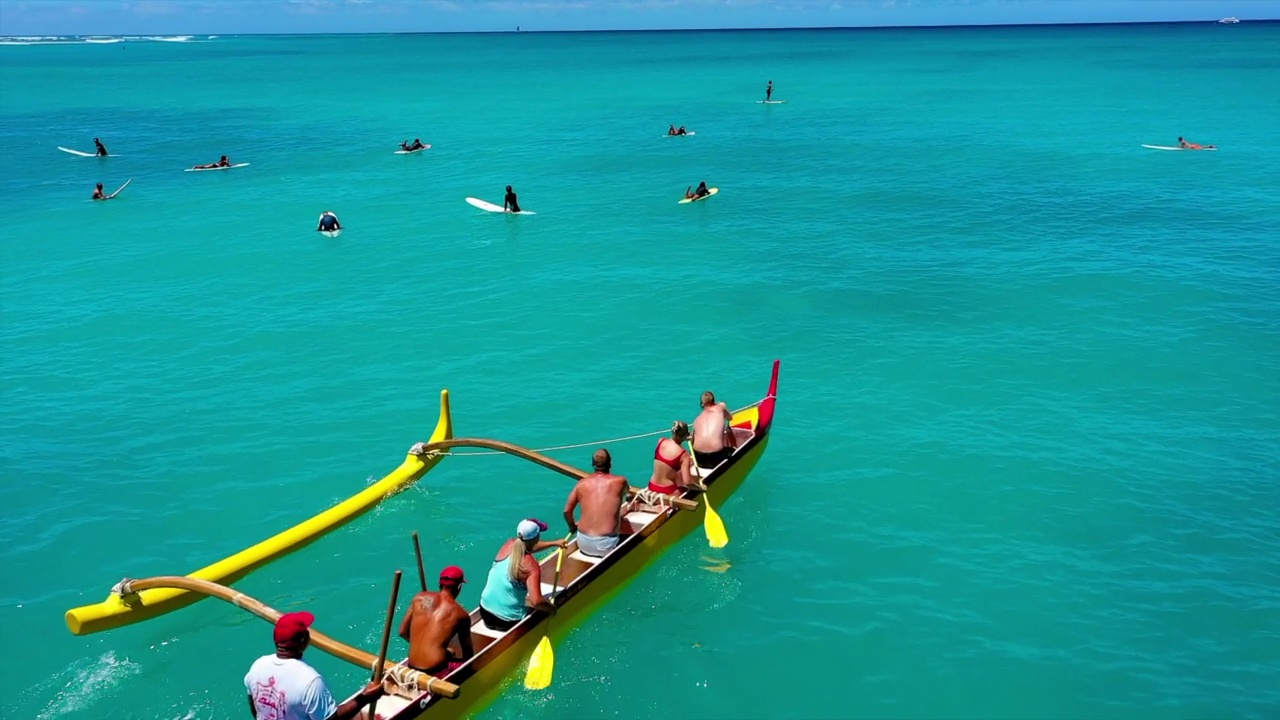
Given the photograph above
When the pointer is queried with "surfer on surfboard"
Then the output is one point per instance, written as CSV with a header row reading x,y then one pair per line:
x,y
102,150
702,191
671,130
768,91
509,203
328,222
223,162
417,145
100,194
1192,146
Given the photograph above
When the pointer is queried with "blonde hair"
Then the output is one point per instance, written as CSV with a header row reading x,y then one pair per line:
x,y
518,549
679,429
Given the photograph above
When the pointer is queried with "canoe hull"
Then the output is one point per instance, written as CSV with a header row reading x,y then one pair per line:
x,y
490,672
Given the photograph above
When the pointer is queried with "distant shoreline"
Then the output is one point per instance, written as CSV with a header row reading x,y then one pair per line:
x,y
531,31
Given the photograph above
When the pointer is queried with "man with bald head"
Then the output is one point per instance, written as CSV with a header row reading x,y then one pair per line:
x,y
601,495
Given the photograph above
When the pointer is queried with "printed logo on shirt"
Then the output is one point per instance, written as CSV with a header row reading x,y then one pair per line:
x,y
270,700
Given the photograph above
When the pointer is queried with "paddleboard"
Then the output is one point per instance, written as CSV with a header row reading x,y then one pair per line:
x,y
410,152
710,192
688,134
82,154
226,167
490,207
770,102
1166,147
331,233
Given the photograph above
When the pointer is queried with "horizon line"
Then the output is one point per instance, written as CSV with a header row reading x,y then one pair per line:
x,y
645,30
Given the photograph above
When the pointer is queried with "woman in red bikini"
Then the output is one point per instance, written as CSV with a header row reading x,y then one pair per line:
x,y
671,462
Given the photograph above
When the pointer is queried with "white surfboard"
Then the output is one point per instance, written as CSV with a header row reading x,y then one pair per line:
x,y
710,192
1167,147
490,207
117,192
402,151
225,167
688,134
331,233
83,154
770,102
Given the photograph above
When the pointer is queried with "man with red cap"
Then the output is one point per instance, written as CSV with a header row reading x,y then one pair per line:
x,y
433,620
283,687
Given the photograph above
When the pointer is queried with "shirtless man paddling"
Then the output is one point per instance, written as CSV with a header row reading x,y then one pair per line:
x,y
601,495
713,439
433,620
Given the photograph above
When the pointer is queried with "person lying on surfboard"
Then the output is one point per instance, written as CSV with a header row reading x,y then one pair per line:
x,y
417,145
702,191
509,203
223,162
102,150
1192,146
329,222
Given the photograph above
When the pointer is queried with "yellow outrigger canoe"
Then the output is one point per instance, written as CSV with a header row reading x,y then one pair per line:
x,y
117,610
585,583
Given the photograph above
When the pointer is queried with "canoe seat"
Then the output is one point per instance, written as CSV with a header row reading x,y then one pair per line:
x,y
639,519
577,555
702,472
480,628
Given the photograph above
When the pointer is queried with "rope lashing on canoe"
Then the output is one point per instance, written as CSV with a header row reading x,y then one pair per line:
x,y
645,496
417,447
406,678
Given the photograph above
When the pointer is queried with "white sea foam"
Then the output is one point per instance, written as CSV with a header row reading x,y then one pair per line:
x,y
96,39
84,682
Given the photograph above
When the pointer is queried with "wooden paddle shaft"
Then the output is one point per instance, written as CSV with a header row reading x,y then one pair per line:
x,y
323,642
417,551
386,640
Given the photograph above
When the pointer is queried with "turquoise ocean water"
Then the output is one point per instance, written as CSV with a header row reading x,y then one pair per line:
x,y
1025,460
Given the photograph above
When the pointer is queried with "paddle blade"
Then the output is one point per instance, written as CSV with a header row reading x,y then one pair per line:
x,y
717,536
541,665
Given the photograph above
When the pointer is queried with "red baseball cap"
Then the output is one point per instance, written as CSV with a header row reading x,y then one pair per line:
x,y
292,627
452,575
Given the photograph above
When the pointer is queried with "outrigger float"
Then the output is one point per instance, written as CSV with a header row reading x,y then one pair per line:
x,y
580,583
119,610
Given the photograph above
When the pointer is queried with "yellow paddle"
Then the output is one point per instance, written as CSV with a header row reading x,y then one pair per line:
x,y
717,536
542,662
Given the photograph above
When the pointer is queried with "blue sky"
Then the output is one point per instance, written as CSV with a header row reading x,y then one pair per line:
x,y
156,17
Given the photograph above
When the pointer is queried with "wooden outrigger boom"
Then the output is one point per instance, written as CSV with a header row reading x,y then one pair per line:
x,y
319,640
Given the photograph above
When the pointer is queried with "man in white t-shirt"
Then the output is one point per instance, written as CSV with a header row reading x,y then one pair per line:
x,y
283,687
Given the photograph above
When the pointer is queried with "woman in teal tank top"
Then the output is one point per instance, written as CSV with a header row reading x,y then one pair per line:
x,y
514,584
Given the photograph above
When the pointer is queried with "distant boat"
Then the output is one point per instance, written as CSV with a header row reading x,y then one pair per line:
x,y
1228,21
